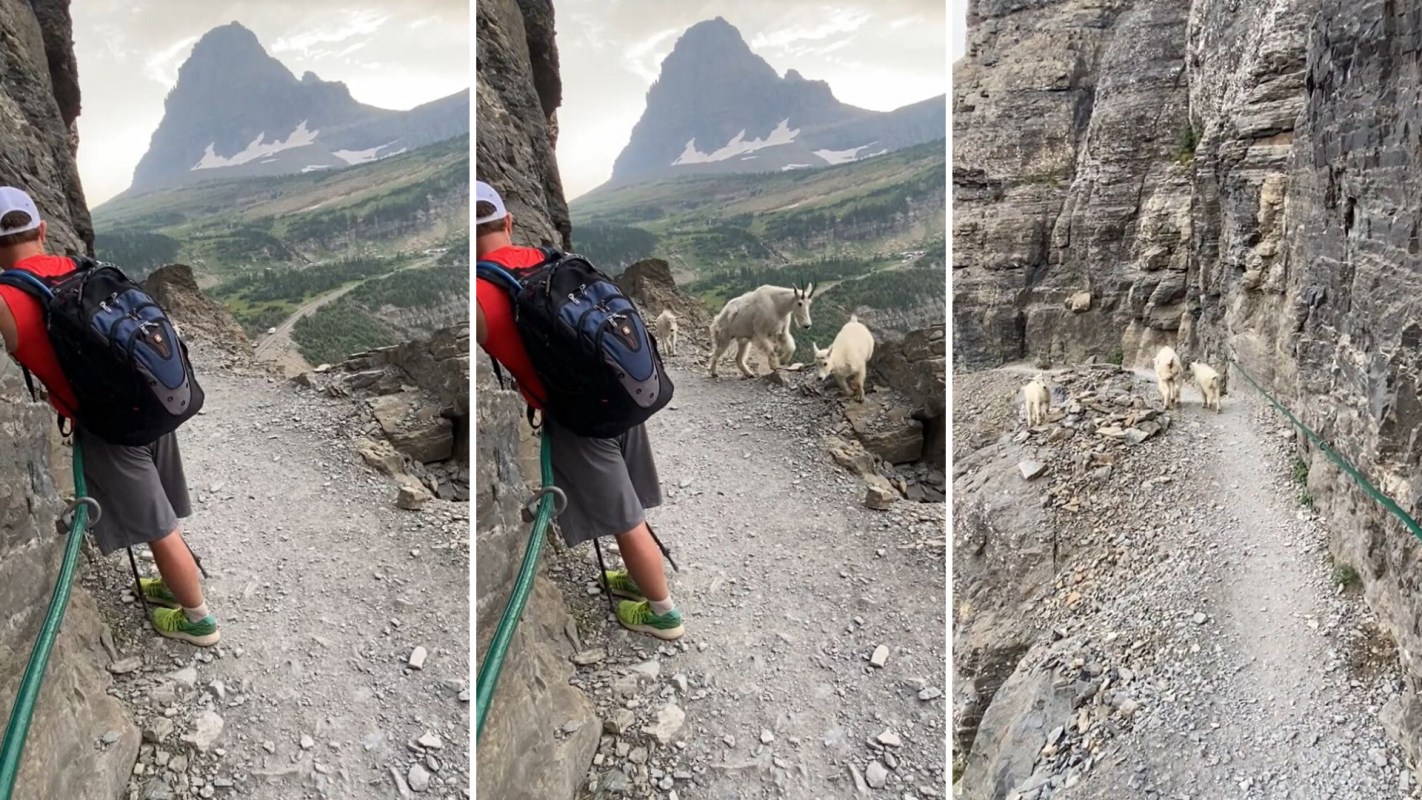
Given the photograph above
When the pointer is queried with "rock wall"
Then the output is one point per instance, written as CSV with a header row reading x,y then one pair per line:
x,y
541,733
518,94
63,758
1235,178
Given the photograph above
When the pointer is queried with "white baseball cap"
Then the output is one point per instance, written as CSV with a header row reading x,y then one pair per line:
x,y
12,199
484,193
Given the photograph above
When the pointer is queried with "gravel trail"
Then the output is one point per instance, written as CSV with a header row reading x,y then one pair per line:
x,y
324,591
1197,627
788,585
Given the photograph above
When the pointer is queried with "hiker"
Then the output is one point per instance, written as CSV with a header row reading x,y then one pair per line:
x,y
141,490
609,482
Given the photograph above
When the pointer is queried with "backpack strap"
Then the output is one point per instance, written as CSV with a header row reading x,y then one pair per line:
x,y
27,282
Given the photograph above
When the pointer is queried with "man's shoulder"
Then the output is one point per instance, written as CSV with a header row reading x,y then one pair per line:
x,y
46,264
515,256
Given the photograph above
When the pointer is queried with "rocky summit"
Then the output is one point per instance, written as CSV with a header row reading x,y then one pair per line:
x,y
717,107
238,112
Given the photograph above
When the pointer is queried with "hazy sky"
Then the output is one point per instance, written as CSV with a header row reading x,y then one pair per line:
x,y
879,54
390,55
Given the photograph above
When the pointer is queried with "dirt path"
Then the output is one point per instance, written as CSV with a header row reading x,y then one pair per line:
x,y
1265,694
1211,607
788,585
278,347
323,590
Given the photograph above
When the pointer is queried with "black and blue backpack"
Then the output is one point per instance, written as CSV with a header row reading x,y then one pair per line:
x,y
118,350
601,370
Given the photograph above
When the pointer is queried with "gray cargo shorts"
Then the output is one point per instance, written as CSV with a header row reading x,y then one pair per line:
x,y
141,490
610,483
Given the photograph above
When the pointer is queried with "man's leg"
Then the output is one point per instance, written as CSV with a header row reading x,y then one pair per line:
x,y
644,563
179,570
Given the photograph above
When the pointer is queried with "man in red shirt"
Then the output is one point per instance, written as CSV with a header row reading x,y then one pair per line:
x,y
609,482
141,491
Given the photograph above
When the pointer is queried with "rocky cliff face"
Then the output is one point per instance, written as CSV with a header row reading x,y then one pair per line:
x,y
238,112
1231,178
38,100
541,732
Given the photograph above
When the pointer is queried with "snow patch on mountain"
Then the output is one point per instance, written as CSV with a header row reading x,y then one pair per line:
x,y
363,156
256,149
841,156
738,145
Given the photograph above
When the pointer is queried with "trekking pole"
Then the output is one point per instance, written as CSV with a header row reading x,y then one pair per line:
x,y
196,560
666,552
138,585
602,576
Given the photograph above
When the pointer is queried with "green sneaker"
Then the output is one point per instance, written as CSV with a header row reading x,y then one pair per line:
x,y
619,583
639,617
173,623
157,594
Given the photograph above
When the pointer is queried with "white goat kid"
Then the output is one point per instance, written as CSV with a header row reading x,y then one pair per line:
x,y
847,357
1038,401
761,317
666,330
1210,382
1168,376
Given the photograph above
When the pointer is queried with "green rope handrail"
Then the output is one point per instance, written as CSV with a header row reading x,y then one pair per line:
x,y
1373,491
498,647
24,708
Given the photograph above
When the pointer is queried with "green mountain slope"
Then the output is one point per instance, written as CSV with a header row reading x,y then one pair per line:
x,y
225,229
870,233
704,225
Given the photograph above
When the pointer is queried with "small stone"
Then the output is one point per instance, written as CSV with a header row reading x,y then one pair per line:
x,y
417,658
418,778
1031,470
589,657
218,690
109,737
205,731
648,669
157,789
126,666
158,729
1200,619
619,722
880,656
729,740
187,677
930,693
890,739
307,742
430,741
669,721
766,737
860,787
1128,708
876,774
269,746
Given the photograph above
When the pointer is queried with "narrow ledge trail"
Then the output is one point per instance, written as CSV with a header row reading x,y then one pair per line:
x,y
324,591
788,584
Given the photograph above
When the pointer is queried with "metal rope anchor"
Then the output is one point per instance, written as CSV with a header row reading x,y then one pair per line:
x,y
560,501
67,516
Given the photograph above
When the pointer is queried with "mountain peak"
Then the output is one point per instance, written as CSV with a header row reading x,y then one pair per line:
x,y
227,41
716,106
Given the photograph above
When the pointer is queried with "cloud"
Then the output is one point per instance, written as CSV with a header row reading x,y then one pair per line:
x,y
361,23
162,66
842,21
644,58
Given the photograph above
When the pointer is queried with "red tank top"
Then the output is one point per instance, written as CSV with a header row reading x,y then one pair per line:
x,y
32,348
501,340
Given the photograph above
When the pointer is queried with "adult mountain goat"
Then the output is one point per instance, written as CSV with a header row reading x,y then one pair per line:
x,y
1036,400
762,317
1168,376
666,330
847,357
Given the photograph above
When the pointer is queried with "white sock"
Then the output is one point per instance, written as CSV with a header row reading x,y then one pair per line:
x,y
196,614
660,607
